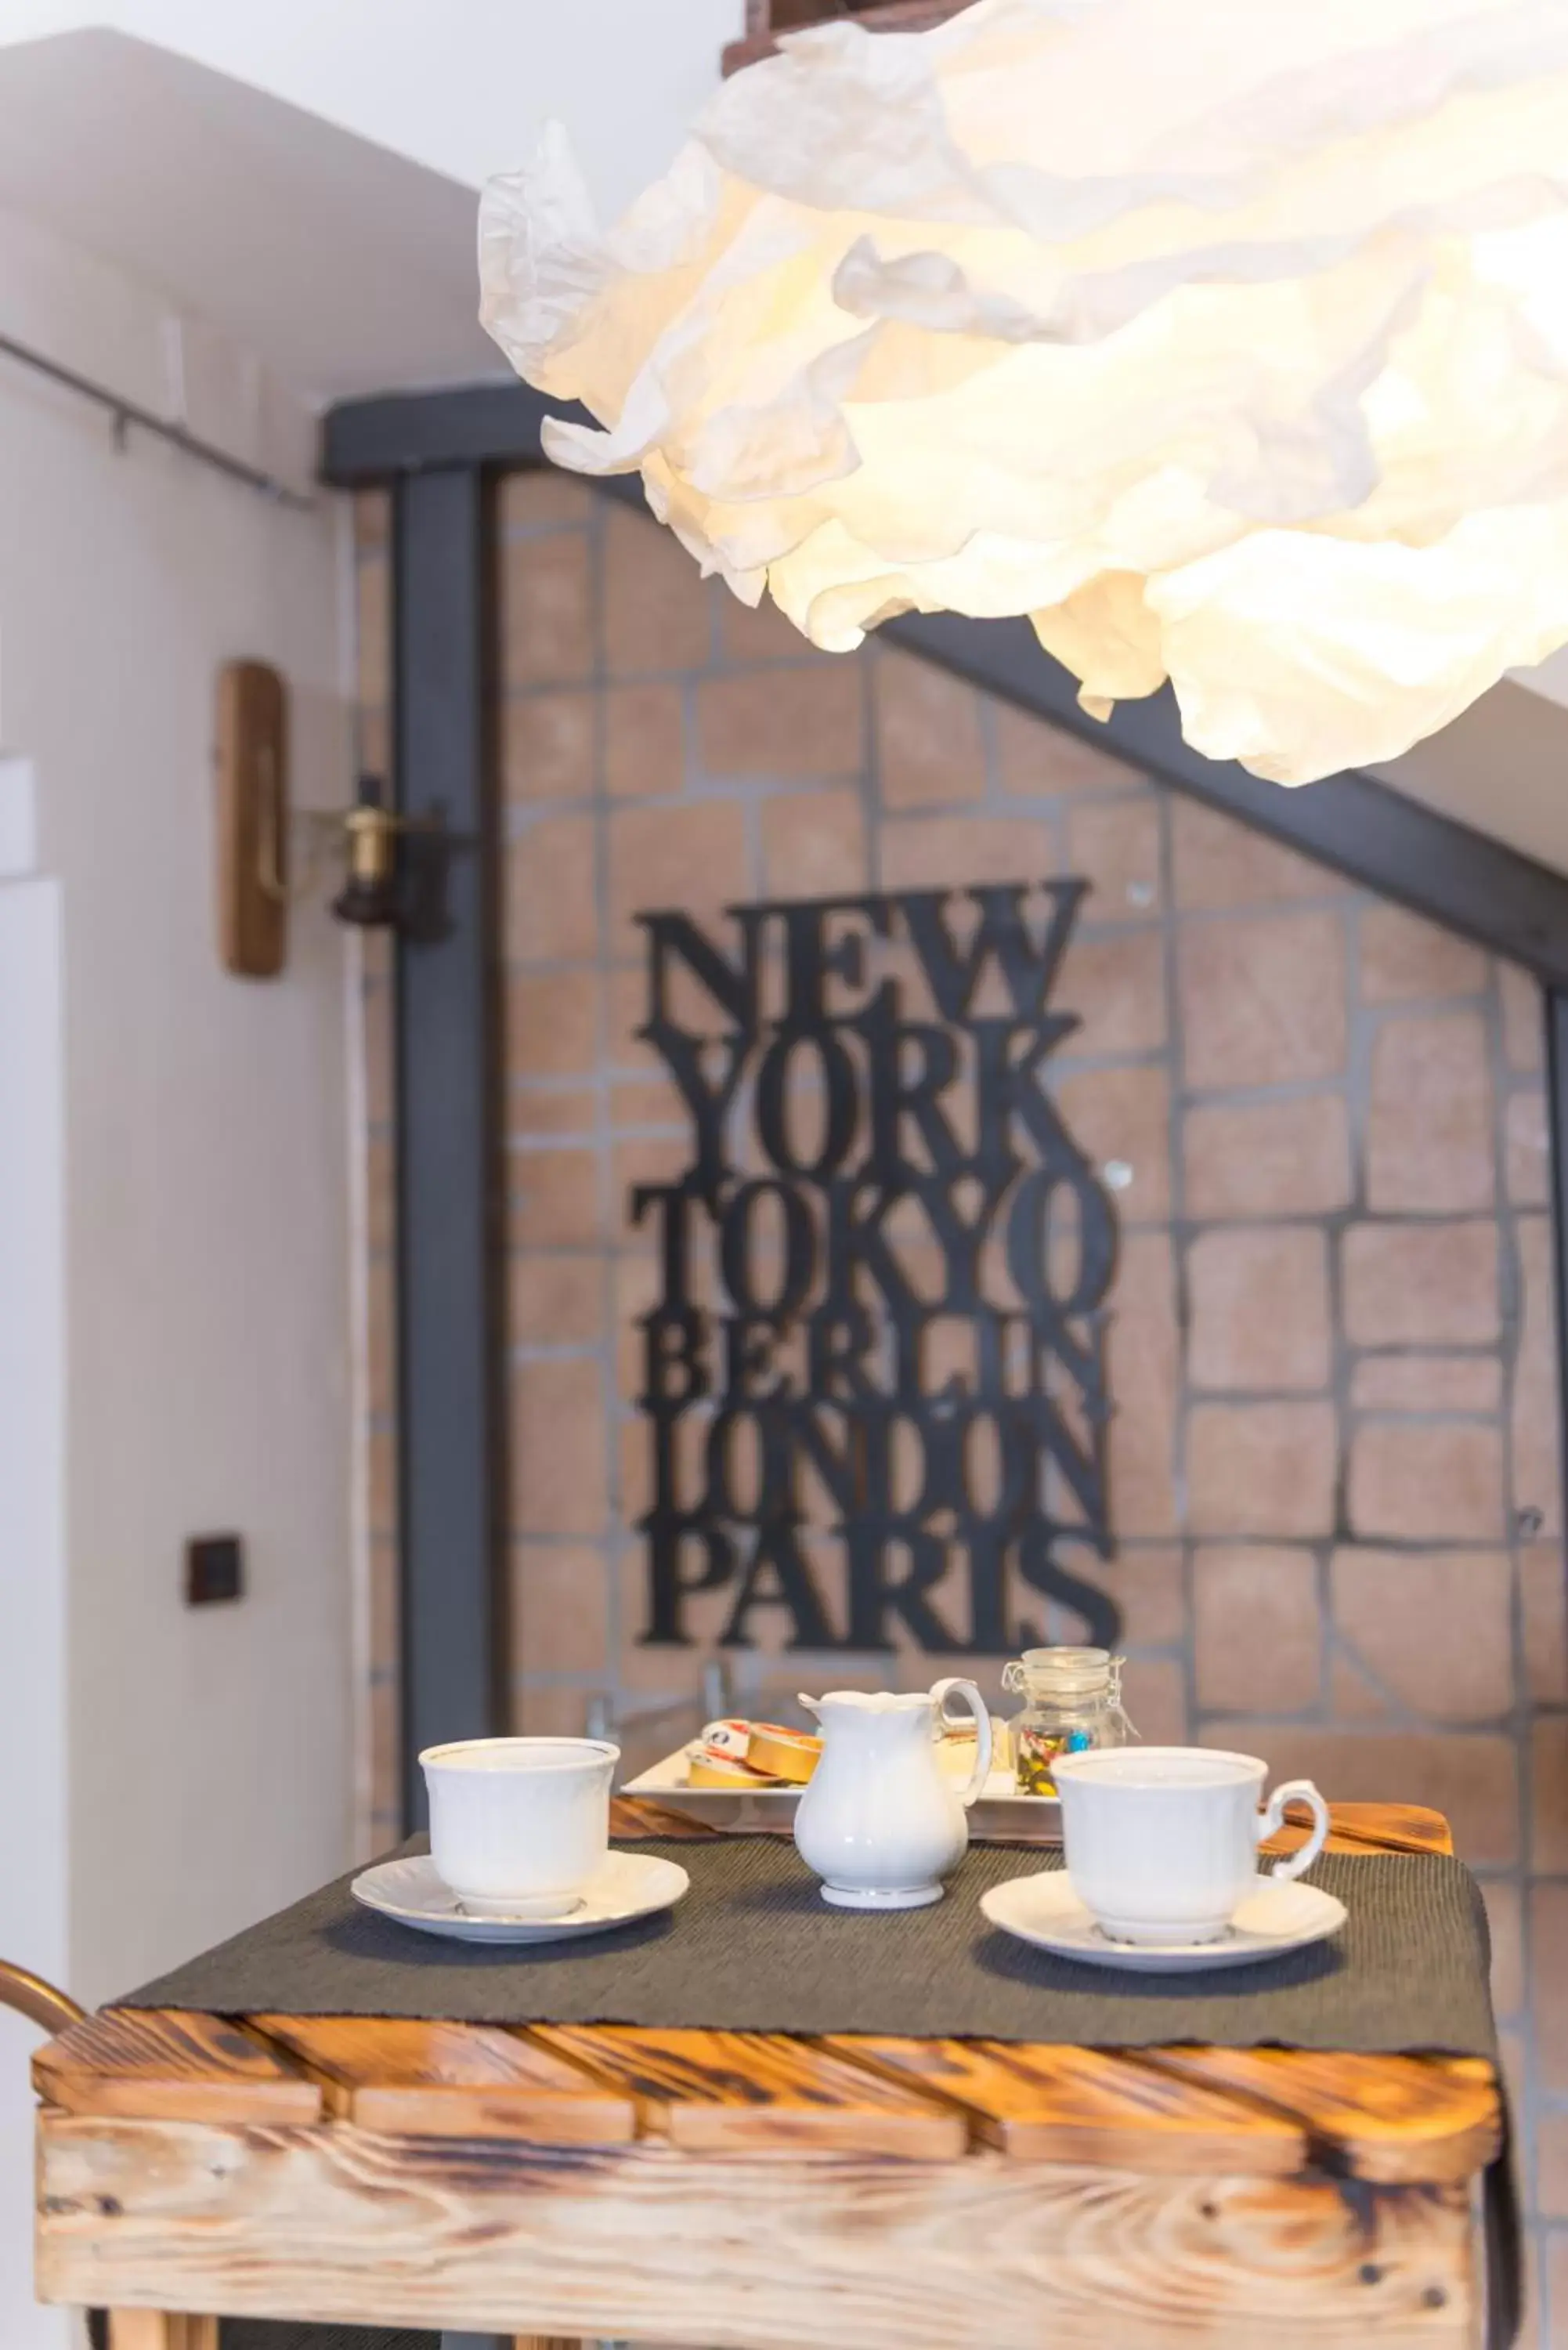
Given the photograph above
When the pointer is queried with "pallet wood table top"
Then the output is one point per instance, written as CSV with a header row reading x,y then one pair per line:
x,y
560,2185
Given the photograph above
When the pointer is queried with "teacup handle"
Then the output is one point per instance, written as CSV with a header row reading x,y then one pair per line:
x,y
982,1713
1295,1791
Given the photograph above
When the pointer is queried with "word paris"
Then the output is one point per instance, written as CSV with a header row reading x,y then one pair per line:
x,y
875,1378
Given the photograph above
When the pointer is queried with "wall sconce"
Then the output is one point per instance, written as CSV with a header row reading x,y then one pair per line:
x,y
383,888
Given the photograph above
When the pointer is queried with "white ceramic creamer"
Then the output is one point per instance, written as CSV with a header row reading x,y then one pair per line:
x,y
880,1822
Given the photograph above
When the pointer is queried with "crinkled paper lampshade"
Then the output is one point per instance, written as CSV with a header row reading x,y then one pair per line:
x,y
1228,339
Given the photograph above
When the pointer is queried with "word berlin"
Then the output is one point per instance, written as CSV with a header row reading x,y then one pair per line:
x,y
877,1170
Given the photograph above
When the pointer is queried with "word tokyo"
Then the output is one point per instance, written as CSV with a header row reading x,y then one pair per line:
x,y
874,1379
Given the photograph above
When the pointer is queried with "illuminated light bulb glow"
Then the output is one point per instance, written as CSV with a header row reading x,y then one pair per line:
x,y
1227,340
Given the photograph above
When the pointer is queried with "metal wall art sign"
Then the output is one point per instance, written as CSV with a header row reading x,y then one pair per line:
x,y
874,1379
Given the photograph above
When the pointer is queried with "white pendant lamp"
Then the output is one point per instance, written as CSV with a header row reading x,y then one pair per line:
x,y
1228,339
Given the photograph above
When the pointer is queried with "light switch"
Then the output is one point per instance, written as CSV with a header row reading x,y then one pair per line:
x,y
214,1568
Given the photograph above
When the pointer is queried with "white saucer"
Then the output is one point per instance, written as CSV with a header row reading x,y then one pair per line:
x,y
1044,1909
630,1885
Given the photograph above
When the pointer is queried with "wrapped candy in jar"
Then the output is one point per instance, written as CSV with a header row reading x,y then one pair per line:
x,y
1072,1701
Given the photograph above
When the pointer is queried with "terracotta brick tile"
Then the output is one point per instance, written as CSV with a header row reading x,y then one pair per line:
x,y
925,852
1039,761
658,612
1353,1696
385,1748
1546,1913
372,520
554,1199
1435,1630
385,1610
552,1710
930,749
558,1452
1143,1360
1145,1579
1267,1158
780,722
1421,1383
649,1101
1124,1114
560,1609
1262,1002
1114,844
1260,1308
546,610
1543,1606
380,1193
1505,1920
551,1022
1117,986
1430,1145
373,632
381,1484
547,746
1261,1469
1219,862
1537,1468
1552,2177
377,1052
691,860
645,739
1468,1776
1528,1151
373,739
533,1112
1256,1629
634,1452
554,1301
762,633
1403,959
1549,1795
542,497
1441,1483
813,843
1523,1019
380,1343
1155,1689
1420,1285
550,915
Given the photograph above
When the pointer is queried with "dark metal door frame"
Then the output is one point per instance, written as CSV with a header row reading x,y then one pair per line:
x,y
452,1418
439,452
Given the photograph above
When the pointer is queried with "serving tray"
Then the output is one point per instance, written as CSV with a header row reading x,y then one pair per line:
x,y
1000,1815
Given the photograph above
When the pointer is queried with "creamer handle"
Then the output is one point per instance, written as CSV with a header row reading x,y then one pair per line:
x,y
982,1713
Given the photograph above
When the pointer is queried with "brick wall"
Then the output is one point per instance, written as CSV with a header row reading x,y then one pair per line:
x,y
1334,1467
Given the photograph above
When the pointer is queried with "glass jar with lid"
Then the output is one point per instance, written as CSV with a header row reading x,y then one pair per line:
x,y
1072,1701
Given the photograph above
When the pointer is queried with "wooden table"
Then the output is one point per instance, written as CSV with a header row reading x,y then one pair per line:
x,y
755,2191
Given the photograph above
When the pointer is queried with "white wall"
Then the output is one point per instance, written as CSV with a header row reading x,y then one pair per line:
x,y
34,1921
203,1207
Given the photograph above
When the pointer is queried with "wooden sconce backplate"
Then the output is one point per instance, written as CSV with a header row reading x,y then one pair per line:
x,y
252,817
766,20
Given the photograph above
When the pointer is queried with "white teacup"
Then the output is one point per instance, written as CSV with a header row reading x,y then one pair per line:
x,y
519,1826
1161,1842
